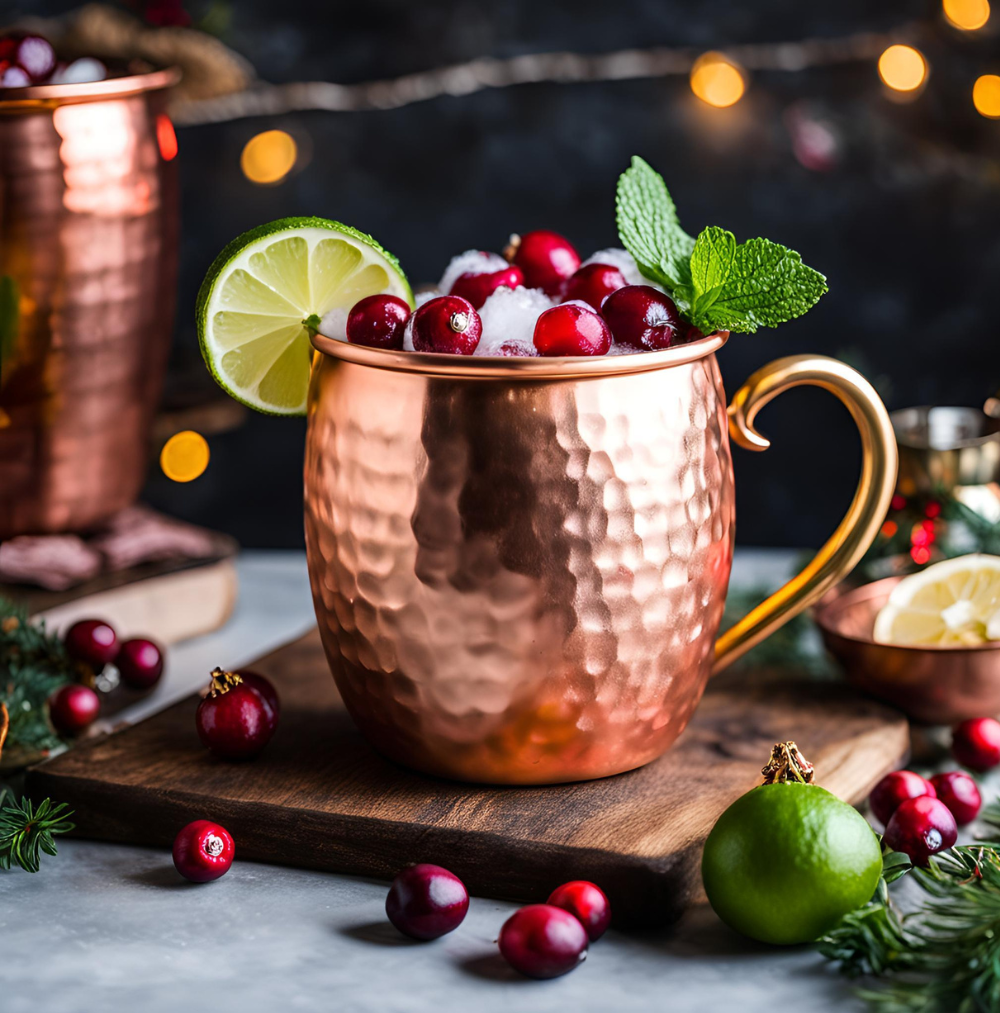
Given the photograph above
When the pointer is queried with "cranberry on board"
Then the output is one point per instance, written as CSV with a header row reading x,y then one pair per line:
x,y
976,743
426,901
542,941
571,329
140,663
377,321
477,288
960,794
643,317
546,258
448,324
92,641
921,827
593,283
233,720
266,689
587,902
73,708
203,851
895,788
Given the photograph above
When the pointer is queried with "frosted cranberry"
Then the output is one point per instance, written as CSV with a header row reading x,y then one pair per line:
x,y
514,349
92,641
267,691
546,258
643,317
203,851
587,902
35,57
921,827
448,324
976,743
140,663
234,721
571,329
960,794
378,321
542,941
477,288
895,788
14,77
73,708
593,283
426,901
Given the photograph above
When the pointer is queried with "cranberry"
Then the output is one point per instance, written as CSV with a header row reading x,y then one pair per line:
x,y
92,641
513,348
542,941
921,827
8,46
448,324
203,851
426,901
477,288
593,283
14,77
546,258
587,902
643,317
895,788
976,743
267,691
72,708
234,721
692,334
35,57
960,794
571,329
140,663
378,321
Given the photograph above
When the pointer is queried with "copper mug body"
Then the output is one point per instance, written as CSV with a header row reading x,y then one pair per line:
x,y
519,566
88,263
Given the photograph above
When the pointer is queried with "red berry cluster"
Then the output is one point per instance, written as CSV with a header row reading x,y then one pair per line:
x,y
29,59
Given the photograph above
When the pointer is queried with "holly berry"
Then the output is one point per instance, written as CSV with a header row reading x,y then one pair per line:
x,y
542,941
73,708
593,283
895,788
643,317
266,690
571,329
203,851
448,324
976,743
377,321
92,641
546,258
960,794
36,57
426,901
921,827
234,720
140,663
477,288
587,902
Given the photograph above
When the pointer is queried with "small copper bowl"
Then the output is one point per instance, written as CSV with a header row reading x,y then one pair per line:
x,y
936,685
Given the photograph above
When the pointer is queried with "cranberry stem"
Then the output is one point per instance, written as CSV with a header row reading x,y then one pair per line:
x,y
223,682
787,763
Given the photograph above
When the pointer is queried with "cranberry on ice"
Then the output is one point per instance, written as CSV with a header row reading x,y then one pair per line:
x,y
543,941
571,329
895,788
203,851
593,283
73,708
426,901
976,743
546,258
448,324
643,317
921,827
960,794
587,902
477,288
377,321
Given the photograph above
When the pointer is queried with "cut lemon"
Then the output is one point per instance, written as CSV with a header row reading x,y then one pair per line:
x,y
269,288
951,604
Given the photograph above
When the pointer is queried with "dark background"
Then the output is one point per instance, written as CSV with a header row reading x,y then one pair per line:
x,y
905,225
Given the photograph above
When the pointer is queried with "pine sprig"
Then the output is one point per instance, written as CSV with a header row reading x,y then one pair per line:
x,y
27,830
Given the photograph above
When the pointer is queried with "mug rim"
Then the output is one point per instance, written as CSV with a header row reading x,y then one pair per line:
x,y
49,95
556,367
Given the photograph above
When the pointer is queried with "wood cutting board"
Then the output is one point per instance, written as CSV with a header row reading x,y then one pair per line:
x,y
321,798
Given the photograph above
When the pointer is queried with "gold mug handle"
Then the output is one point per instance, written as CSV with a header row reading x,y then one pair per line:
x,y
863,519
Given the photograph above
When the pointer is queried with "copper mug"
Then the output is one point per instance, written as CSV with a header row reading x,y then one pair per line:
x,y
519,565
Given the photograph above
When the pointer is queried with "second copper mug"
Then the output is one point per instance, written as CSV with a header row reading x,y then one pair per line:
x,y
519,566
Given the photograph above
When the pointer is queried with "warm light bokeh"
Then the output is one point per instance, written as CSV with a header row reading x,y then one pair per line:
x,y
967,14
166,137
717,80
986,96
184,456
269,157
902,68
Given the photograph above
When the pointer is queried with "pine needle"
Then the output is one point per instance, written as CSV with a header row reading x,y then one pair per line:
x,y
27,830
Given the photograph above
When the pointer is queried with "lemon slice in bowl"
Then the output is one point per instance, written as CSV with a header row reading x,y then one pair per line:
x,y
269,288
955,603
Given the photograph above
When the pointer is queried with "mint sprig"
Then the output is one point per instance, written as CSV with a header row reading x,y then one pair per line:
x,y
717,283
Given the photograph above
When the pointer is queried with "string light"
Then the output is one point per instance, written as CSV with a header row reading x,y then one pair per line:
x,y
902,68
716,80
184,456
967,14
986,96
269,157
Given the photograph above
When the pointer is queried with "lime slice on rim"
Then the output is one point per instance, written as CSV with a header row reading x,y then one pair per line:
x,y
266,290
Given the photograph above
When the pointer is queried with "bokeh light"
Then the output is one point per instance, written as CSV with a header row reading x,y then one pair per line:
x,y
184,456
166,137
967,14
986,96
269,157
717,80
902,68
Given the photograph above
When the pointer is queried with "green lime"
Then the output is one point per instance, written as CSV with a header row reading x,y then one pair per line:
x,y
787,861
266,290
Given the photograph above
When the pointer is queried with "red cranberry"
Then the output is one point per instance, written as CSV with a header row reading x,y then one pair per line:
x,y
233,720
960,794
426,901
73,708
92,641
448,324
571,329
35,57
593,283
267,691
921,827
643,317
477,288
378,321
976,743
587,902
895,788
514,348
546,258
692,334
542,941
14,77
8,46
203,851
140,663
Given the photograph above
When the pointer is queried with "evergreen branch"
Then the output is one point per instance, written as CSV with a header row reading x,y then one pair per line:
x,y
25,830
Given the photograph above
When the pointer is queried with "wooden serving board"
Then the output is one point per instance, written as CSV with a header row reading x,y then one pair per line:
x,y
320,797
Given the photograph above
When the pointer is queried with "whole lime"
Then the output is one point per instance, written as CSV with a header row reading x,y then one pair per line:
x,y
787,861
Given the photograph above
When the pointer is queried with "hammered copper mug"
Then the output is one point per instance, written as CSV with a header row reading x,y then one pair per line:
x,y
519,566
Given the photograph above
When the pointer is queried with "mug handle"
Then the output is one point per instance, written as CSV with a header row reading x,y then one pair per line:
x,y
863,519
